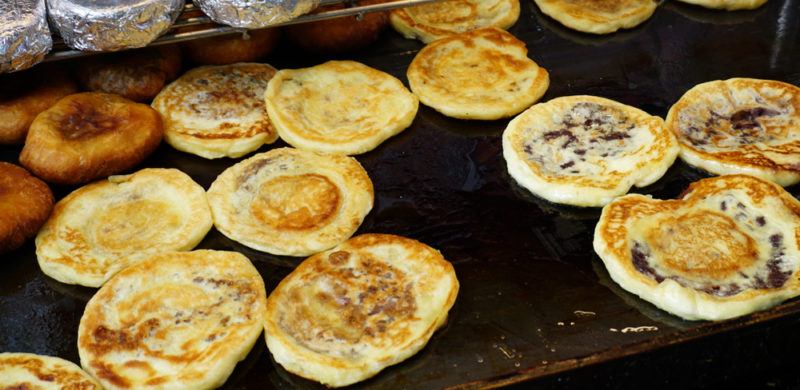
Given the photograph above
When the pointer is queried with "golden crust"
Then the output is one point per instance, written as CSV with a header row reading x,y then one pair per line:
x,y
727,248
90,135
291,202
106,226
137,75
430,22
25,95
338,107
598,16
231,49
25,204
29,371
586,150
482,74
345,314
217,111
338,35
179,320
730,5
740,125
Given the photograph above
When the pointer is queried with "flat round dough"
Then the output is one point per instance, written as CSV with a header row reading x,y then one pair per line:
x,y
740,125
730,5
598,16
338,107
291,202
103,227
429,22
727,248
344,315
483,74
90,135
25,204
28,371
178,320
586,150
217,111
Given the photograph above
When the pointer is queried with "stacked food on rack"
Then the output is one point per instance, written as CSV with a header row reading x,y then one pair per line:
x,y
168,316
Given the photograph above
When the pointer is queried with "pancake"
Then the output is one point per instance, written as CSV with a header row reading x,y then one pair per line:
x,y
727,248
232,48
598,16
344,315
217,111
586,150
25,203
483,74
291,202
429,22
730,5
178,320
28,371
106,226
90,135
24,95
740,125
338,35
338,107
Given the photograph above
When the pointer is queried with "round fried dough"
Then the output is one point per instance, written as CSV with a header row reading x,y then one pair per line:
x,y
217,111
586,150
598,16
291,202
25,203
345,314
740,125
338,35
178,320
730,5
338,107
106,226
28,371
727,248
230,49
90,135
483,74
429,22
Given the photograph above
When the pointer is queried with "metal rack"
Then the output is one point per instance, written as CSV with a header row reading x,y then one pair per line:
x,y
192,16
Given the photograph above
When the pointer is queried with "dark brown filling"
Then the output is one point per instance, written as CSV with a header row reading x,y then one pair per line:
x,y
745,122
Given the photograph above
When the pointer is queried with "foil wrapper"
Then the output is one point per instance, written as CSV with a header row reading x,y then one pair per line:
x,y
111,25
255,13
24,35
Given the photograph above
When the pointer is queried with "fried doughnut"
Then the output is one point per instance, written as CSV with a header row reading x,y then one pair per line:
x,y
90,135
233,48
429,22
25,204
28,371
598,16
339,35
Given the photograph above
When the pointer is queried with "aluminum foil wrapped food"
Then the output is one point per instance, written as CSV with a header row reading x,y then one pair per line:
x,y
24,35
255,13
110,25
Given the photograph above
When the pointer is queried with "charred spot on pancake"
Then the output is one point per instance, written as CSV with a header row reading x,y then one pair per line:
x,y
86,120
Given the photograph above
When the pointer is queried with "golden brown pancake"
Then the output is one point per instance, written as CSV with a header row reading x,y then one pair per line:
x,y
25,203
740,125
429,22
217,111
727,248
598,16
338,35
345,314
233,48
90,135
482,74
178,320
730,5
26,371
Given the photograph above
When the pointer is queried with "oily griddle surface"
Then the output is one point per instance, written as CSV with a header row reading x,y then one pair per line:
x,y
525,266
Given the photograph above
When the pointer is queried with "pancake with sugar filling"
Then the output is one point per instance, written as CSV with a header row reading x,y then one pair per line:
x,y
727,248
217,111
178,320
740,125
598,16
291,202
28,371
344,315
338,107
106,226
429,22
483,74
25,204
730,5
586,150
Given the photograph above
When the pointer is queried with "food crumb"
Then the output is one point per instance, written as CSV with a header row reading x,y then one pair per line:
x,y
584,313
571,323
639,329
559,323
613,330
